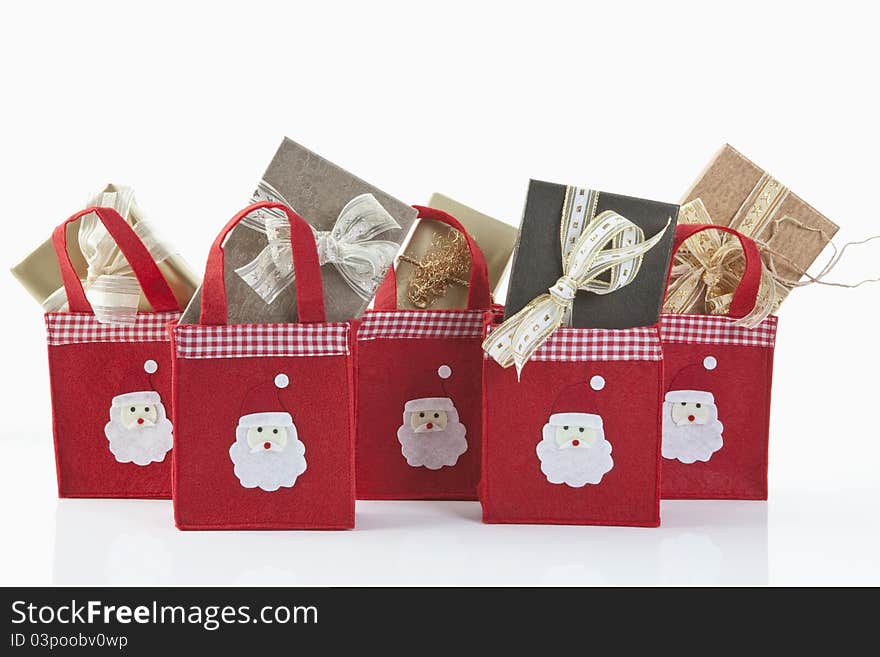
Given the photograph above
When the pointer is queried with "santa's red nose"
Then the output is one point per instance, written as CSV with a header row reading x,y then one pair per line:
x,y
140,420
575,442
267,445
691,418
430,425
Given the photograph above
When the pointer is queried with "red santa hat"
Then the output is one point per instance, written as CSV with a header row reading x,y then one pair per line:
x,y
576,405
692,383
137,386
262,406
443,403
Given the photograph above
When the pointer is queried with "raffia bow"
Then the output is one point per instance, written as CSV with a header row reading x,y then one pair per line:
x,y
350,246
609,244
707,270
446,262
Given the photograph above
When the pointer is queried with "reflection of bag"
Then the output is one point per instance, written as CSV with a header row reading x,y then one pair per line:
x,y
716,412
577,439
419,407
265,424
111,384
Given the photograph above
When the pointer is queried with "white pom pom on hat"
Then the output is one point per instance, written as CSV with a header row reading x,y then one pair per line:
x,y
150,366
281,381
444,371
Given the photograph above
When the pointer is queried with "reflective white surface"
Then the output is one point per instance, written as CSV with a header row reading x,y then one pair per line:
x,y
799,537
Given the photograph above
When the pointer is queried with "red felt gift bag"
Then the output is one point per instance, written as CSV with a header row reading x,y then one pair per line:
x,y
419,393
111,383
577,439
716,411
264,424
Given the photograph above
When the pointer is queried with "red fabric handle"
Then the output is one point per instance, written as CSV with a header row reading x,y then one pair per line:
x,y
309,288
746,295
155,287
479,295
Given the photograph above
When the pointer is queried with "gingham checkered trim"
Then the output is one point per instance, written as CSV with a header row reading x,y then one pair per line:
x,y
569,345
81,328
256,340
421,324
717,329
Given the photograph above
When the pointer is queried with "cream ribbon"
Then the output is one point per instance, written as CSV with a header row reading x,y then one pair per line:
x,y
609,243
110,284
350,245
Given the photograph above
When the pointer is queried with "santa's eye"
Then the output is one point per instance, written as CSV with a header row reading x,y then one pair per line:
x,y
260,429
699,406
421,415
132,409
274,430
684,403
436,415
146,409
565,428
581,430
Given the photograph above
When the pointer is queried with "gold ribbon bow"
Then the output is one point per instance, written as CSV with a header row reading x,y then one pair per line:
x,y
447,261
707,270
610,243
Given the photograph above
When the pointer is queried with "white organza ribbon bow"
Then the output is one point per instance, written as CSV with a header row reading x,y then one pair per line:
x,y
350,246
610,244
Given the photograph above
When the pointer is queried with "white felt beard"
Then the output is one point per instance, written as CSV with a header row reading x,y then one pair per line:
x,y
577,466
691,443
433,449
271,469
141,444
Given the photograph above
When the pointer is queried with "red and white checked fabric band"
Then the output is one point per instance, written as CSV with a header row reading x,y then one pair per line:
x,y
717,329
81,328
256,340
570,345
421,324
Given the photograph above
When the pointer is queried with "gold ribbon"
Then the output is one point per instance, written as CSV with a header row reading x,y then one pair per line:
x,y
609,244
447,261
707,269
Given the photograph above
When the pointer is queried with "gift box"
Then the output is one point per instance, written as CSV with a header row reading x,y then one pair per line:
x,y
264,419
358,229
419,390
433,270
112,429
571,416
538,260
734,192
95,257
718,378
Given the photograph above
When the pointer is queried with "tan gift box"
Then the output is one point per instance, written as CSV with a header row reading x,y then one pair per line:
x,y
496,240
38,272
738,193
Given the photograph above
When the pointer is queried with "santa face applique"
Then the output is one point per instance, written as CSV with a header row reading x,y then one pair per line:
x,y
268,438
139,431
573,450
432,436
691,429
267,453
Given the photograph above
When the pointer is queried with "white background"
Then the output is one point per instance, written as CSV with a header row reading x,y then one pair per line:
x,y
188,103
